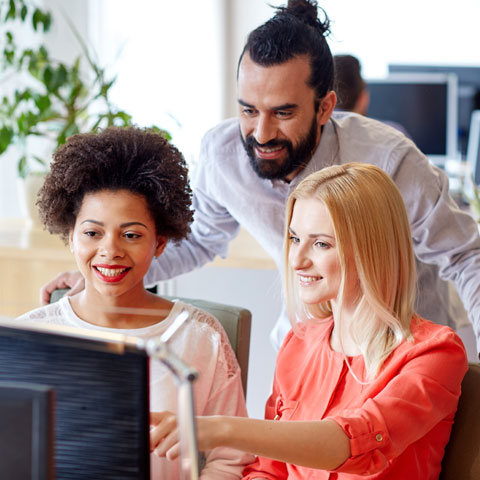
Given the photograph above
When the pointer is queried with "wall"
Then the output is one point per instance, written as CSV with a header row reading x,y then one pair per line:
x,y
169,61
411,31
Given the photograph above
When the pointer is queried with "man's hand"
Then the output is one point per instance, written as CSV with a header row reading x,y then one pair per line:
x,y
72,280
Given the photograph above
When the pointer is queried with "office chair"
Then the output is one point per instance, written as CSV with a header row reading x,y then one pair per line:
x,y
236,322
462,453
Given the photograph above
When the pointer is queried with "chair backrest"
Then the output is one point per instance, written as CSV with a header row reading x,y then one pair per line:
x,y
462,453
236,322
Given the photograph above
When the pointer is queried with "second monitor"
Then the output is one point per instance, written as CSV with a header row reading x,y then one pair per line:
x,y
424,105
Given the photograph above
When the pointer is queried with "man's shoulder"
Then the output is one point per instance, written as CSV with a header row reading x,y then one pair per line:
x,y
222,151
355,123
224,137
359,138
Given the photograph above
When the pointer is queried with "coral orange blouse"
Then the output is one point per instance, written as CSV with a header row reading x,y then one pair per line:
x,y
398,424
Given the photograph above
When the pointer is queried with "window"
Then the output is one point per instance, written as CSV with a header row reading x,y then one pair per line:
x,y
167,58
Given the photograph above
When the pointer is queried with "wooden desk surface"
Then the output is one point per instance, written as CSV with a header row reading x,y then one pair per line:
x,y
30,257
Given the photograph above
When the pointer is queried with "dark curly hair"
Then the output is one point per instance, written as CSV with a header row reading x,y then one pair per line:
x,y
140,161
295,30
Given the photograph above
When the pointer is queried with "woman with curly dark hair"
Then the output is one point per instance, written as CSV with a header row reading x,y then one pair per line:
x,y
117,198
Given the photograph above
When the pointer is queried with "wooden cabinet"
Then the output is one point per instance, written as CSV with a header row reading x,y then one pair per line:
x,y
29,257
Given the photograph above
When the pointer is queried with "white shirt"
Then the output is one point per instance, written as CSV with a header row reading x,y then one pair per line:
x,y
201,343
228,193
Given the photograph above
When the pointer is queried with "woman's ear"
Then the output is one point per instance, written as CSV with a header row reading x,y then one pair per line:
x,y
161,244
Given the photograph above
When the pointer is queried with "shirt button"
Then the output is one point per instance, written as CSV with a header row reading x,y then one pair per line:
x,y
379,437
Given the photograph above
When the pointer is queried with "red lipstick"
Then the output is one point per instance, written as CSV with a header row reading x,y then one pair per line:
x,y
111,273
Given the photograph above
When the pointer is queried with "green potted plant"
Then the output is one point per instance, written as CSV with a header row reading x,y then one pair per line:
x,y
473,198
52,99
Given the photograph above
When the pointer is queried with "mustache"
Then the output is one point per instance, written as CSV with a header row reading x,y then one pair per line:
x,y
252,142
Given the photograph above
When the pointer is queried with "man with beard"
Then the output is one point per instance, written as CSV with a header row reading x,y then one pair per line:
x,y
286,130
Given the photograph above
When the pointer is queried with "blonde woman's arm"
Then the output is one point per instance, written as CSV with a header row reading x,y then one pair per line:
x,y
315,444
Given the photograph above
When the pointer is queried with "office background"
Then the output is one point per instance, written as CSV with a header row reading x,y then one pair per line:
x,y
176,66
176,61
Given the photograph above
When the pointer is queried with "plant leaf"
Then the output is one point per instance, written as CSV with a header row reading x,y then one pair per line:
x,y
11,11
6,137
47,21
59,98
42,102
40,160
22,167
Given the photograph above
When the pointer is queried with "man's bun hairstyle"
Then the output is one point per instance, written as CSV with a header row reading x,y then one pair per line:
x,y
294,31
307,12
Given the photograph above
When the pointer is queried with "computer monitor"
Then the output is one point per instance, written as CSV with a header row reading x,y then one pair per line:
x,y
100,389
424,105
468,91
26,431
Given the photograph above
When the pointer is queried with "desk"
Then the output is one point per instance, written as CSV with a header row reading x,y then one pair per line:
x,y
30,257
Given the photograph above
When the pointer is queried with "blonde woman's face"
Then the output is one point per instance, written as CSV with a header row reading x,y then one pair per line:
x,y
313,253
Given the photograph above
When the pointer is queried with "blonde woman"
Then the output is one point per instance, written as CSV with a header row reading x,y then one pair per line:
x,y
363,386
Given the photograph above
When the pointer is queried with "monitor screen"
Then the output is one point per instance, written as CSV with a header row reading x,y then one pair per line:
x,y
424,105
26,431
100,391
468,91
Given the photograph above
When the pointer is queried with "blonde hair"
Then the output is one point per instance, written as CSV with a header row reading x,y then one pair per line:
x,y
371,226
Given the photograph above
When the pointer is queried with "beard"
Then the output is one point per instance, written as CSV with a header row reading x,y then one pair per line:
x,y
297,157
